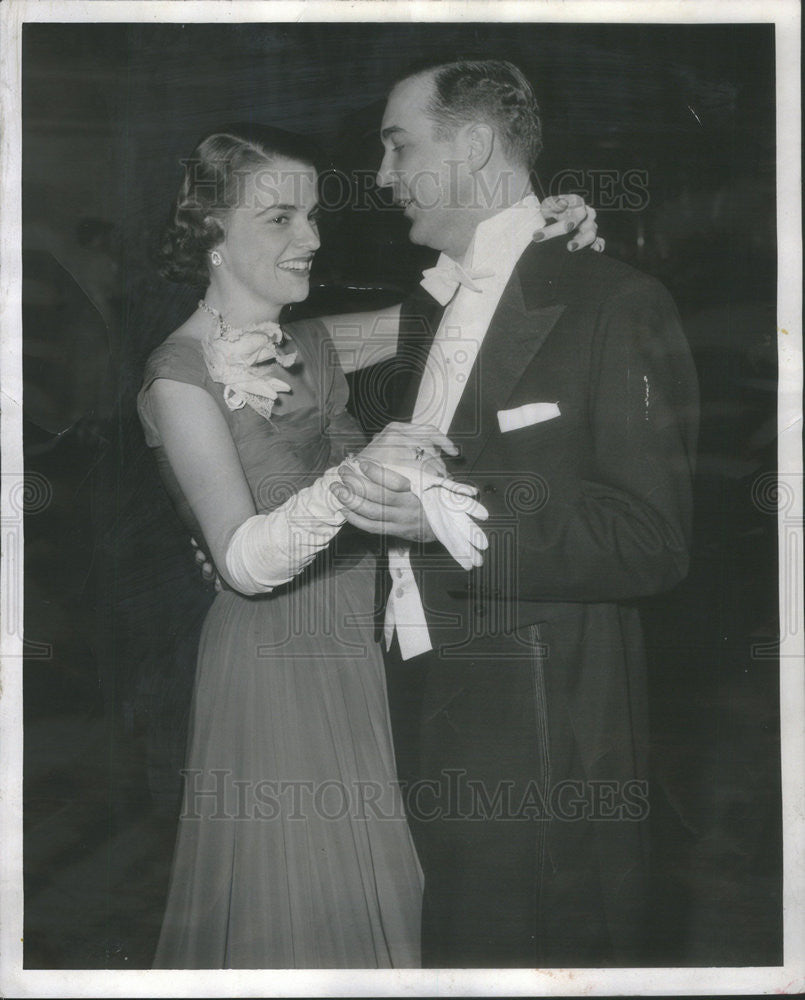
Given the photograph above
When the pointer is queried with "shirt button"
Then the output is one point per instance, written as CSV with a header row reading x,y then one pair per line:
x,y
461,377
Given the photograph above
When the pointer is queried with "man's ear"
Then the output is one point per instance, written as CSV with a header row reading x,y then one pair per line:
x,y
480,144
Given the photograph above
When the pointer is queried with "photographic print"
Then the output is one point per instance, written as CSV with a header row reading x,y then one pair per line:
x,y
402,499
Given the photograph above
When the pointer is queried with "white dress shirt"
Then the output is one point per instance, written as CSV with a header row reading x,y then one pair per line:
x,y
496,246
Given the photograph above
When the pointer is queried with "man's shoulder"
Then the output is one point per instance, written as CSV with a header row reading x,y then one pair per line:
x,y
613,276
585,277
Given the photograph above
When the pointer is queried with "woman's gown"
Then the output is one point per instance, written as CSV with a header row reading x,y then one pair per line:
x,y
293,850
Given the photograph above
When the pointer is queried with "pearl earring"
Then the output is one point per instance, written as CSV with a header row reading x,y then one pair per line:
x,y
216,258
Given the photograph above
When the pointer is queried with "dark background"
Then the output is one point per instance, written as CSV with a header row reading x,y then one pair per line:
x,y
113,602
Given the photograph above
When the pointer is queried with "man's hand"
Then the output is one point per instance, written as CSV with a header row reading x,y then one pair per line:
x,y
400,443
572,216
381,502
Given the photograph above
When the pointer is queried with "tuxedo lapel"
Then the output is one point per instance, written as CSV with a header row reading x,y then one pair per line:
x,y
526,314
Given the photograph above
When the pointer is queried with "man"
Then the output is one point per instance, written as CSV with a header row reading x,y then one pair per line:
x,y
567,384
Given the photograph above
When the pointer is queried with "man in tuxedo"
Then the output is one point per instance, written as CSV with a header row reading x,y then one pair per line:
x,y
567,384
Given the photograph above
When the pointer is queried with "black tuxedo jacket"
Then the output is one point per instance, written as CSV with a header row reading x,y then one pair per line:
x,y
588,511
592,506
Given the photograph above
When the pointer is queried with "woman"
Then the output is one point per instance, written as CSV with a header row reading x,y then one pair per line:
x,y
293,850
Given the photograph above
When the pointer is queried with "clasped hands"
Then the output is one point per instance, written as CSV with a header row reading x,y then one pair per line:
x,y
398,486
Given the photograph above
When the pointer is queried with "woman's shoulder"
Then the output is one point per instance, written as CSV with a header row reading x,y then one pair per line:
x,y
179,357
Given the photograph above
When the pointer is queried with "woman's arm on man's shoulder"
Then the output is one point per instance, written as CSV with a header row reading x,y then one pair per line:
x,y
364,338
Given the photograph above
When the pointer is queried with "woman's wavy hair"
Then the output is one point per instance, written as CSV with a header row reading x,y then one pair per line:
x,y
213,177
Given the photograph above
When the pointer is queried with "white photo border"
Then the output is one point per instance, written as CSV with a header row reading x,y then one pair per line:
x,y
16,981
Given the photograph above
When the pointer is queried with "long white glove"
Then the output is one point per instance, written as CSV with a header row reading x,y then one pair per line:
x,y
268,550
449,507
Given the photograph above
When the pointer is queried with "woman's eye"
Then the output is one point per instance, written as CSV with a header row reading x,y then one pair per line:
x,y
279,219
397,149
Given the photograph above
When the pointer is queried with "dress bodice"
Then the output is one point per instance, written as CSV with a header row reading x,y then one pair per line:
x,y
309,430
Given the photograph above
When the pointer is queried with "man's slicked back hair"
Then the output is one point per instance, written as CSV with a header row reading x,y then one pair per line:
x,y
490,90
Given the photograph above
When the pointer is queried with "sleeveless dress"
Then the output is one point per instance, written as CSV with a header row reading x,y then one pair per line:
x,y
293,850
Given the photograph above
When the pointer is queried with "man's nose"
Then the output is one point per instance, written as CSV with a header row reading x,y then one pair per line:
x,y
384,177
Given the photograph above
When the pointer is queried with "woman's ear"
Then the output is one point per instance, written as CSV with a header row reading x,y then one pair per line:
x,y
480,144
214,229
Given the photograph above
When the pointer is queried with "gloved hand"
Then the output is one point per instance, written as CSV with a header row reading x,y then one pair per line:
x,y
449,507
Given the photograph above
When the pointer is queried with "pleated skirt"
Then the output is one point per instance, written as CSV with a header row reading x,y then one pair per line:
x,y
293,850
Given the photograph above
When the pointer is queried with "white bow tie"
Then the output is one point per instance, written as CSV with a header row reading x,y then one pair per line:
x,y
442,281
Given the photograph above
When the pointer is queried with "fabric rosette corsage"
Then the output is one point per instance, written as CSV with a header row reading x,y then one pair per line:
x,y
243,360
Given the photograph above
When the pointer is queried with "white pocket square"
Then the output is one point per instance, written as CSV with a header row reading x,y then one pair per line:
x,y
524,416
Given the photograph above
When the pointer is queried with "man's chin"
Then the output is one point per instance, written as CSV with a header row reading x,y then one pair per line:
x,y
419,234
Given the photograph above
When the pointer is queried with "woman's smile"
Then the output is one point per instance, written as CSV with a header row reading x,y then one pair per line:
x,y
297,265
